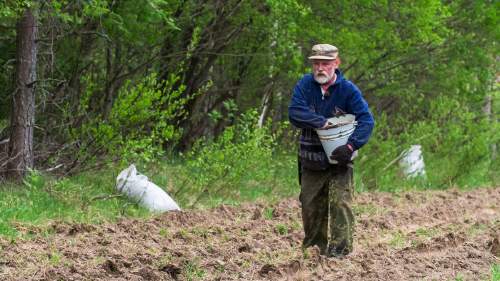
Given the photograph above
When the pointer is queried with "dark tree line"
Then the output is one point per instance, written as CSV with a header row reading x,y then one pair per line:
x,y
165,73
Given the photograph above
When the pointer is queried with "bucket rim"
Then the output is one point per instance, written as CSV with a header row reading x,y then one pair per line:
x,y
341,124
338,135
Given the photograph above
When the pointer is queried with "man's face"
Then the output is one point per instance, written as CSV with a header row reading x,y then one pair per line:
x,y
324,70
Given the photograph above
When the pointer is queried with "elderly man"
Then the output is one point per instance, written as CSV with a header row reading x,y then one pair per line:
x,y
327,189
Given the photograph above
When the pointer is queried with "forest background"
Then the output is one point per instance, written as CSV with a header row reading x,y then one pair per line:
x,y
195,93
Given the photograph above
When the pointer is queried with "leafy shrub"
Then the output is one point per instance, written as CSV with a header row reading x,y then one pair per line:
x,y
139,125
243,162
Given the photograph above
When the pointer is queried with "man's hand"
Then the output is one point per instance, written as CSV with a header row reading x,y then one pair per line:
x,y
327,125
342,154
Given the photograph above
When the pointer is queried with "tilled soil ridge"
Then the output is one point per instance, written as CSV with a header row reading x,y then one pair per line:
x,y
434,235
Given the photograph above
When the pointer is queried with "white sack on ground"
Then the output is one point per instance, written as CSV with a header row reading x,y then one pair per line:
x,y
413,162
138,188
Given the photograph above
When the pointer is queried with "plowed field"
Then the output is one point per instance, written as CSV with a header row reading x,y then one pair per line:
x,y
434,235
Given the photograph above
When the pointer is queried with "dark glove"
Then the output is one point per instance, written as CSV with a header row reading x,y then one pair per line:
x,y
342,154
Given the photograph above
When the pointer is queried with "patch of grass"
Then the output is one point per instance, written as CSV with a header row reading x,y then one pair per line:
x,y
268,213
476,229
495,272
296,224
41,199
164,232
193,271
164,260
217,229
282,229
55,258
200,231
368,209
246,264
266,257
398,240
98,260
426,233
184,234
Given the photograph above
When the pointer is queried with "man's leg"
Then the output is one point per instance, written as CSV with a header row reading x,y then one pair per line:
x,y
314,199
341,189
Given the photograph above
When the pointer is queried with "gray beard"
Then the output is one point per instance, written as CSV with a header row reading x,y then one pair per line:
x,y
322,79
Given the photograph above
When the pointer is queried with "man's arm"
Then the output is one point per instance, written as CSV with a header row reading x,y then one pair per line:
x,y
300,114
359,107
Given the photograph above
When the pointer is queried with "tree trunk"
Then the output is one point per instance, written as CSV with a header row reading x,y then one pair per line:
x,y
23,101
266,104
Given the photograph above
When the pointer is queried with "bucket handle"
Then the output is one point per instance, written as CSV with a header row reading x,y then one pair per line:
x,y
339,125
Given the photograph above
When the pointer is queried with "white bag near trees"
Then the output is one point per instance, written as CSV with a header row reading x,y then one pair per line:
x,y
138,188
412,162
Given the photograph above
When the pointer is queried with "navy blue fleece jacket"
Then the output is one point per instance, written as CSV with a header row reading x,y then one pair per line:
x,y
309,109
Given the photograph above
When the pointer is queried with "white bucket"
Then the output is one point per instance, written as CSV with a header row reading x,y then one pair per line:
x,y
341,128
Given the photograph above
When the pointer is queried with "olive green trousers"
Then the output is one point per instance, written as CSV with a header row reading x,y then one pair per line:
x,y
326,198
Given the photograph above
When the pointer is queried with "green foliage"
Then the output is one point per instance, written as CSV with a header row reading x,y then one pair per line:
x,y
244,162
12,8
139,124
122,21
457,151
495,272
132,21
135,80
